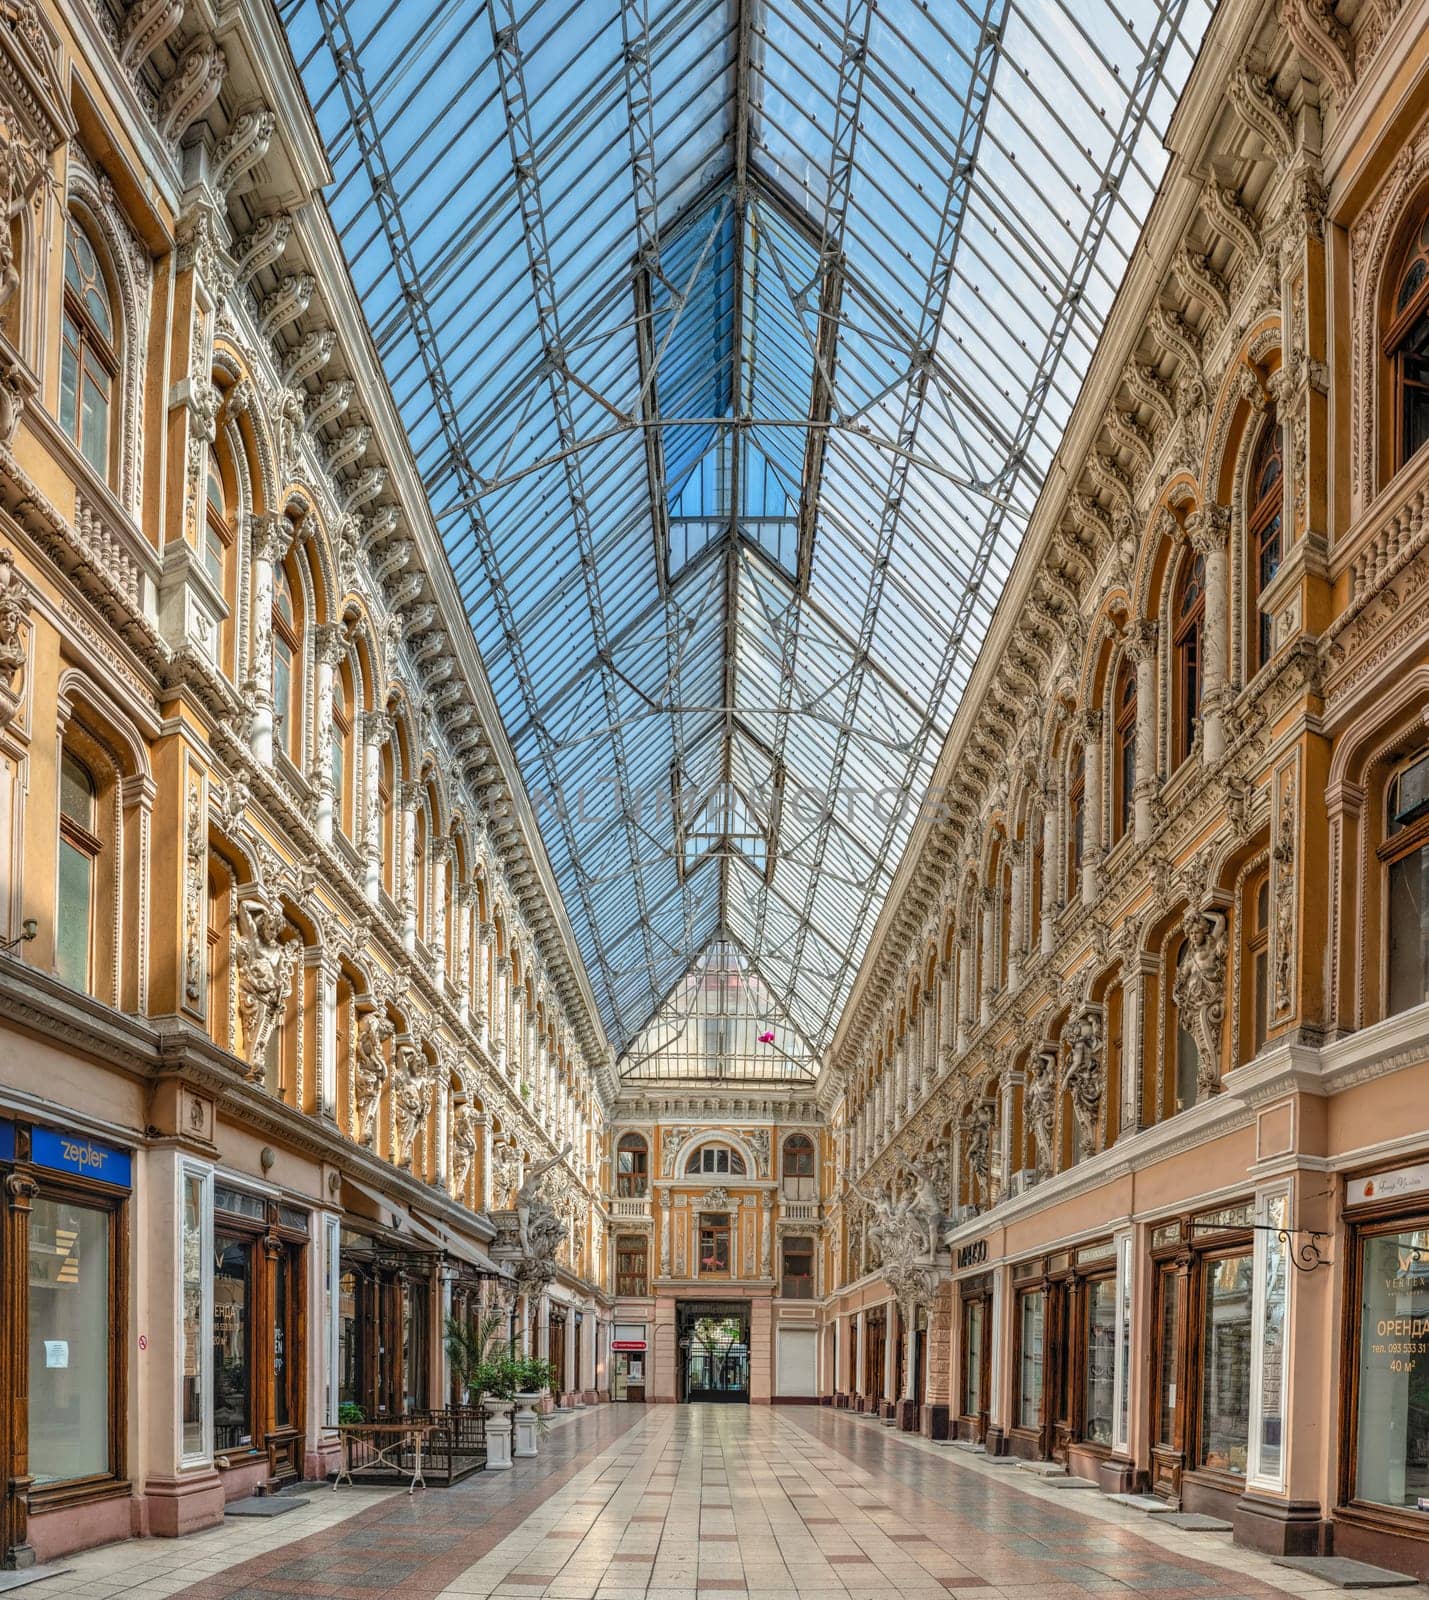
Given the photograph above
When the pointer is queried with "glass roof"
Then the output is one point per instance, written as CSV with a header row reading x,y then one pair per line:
x,y
734,339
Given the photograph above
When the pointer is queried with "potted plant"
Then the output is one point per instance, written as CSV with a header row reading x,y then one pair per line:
x,y
484,1369
533,1377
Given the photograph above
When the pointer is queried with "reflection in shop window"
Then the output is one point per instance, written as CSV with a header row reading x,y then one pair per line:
x,y
194,1298
232,1366
1225,1365
1392,1444
1271,1343
1406,852
68,1341
1101,1360
972,1357
1029,1385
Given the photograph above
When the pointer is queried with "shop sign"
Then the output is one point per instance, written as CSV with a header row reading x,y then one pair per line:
x,y
7,1141
1387,1185
972,1255
634,1346
84,1157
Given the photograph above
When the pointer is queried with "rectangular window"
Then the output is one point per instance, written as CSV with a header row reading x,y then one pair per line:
x,y
1270,1347
631,1276
1100,1391
1122,1440
94,419
232,1340
973,1313
1392,1408
74,915
798,1275
196,1300
1168,1355
70,1270
1225,1363
332,1299
714,1243
213,550
69,378
1032,1316
1409,931
282,693
349,1339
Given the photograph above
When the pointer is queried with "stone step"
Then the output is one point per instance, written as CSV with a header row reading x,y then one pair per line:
x,y
1043,1469
263,1505
1152,1504
1067,1482
27,1575
1347,1574
1195,1522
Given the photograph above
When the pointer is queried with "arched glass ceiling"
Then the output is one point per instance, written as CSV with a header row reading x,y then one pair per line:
x,y
734,338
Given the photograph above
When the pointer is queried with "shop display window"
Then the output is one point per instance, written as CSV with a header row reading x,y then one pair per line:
x,y
974,1316
232,1358
1101,1361
1167,1335
1031,1332
1392,1379
195,1311
69,1353
1225,1364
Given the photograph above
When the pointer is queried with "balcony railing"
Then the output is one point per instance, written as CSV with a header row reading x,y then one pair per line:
x,y
800,1210
627,1210
797,1286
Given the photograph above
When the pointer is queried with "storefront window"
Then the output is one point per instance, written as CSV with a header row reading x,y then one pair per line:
x,y
349,1361
1274,1290
194,1310
1101,1360
69,1341
232,1365
1392,1444
414,1345
1225,1364
972,1360
1167,1356
282,1271
1029,1377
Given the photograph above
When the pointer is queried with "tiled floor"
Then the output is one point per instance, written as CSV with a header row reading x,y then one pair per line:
x,y
691,1503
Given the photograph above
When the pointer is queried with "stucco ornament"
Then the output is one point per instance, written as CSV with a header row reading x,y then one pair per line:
x,y
1199,992
979,1137
1039,1100
265,959
463,1149
898,1232
1082,1073
540,1227
22,169
372,1035
927,1202
14,614
411,1093
507,1172
758,1143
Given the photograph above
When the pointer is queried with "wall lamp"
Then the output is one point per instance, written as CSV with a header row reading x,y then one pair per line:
x,y
28,929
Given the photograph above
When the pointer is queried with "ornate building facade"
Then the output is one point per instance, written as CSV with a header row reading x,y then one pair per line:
x,y
1120,1156
288,1006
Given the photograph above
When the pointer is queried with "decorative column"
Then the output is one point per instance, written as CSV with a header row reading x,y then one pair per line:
x,y
909,1316
465,902
503,989
1011,1079
860,1349
987,900
1209,529
1016,922
376,730
326,966
483,1191
666,1202
1137,968
947,1016
271,537
1092,842
406,873
442,1094
965,986
485,940
329,649
441,855
765,1263
1050,874
1141,646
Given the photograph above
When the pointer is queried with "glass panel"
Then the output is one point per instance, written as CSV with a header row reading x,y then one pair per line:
x,y
232,1357
73,915
213,551
1187,1062
1029,1381
349,1362
94,418
282,693
191,1299
1392,1446
76,792
1409,931
69,379
1168,1354
282,1275
1225,1364
1272,1358
972,1357
414,1345
1101,1361
69,1341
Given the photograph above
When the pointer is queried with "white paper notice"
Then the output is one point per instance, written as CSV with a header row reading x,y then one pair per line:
x,y
56,1352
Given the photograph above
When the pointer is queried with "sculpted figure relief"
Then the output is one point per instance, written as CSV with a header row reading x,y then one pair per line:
x,y
411,1093
507,1171
979,1140
540,1227
1082,1074
1199,992
927,1202
1038,1104
373,1033
265,959
463,1149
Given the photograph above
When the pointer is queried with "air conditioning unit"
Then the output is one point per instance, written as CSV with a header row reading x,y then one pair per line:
x,y
962,1214
1027,1179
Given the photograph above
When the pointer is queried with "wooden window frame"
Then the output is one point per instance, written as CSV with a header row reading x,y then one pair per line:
x,y
974,1291
715,1223
93,345
1189,651
1076,823
1389,852
1267,509
1402,324
635,1184
289,742
1124,739
630,1284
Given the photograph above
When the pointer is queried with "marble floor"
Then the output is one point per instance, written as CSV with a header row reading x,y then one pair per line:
x,y
694,1502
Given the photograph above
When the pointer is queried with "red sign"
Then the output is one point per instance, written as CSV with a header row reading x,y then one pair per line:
x,y
627,1344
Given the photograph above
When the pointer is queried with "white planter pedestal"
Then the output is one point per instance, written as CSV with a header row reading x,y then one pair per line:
x,y
498,1435
526,1424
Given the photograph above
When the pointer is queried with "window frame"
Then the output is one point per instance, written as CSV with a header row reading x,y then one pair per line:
x,y
631,1284
634,1184
80,838
1393,848
717,1225
1124,746
90,345
1402,323
1266,510
1188,651
1076,820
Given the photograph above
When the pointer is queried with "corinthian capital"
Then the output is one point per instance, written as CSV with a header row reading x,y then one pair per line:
x,y
1209,527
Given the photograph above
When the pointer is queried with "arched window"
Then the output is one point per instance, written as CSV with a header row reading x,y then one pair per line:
x,y
716,1159
285,655
1406,346
1406,856
89,359
796,1163
1076,820
341,743
1124,763
1189,619
79,856
1266,499
632,1167
217,533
